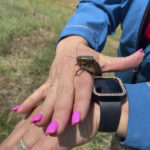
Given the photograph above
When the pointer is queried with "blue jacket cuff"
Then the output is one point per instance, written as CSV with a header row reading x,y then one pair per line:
x,y
138,133
82,31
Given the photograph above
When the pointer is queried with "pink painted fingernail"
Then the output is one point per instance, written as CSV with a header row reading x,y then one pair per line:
x,y
141,50
36,118
76,117
16,108
52,128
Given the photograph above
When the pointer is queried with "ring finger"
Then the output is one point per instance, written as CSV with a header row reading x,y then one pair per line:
x,y
47,107
32,136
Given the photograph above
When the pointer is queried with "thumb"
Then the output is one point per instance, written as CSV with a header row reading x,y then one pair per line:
x,y
117,64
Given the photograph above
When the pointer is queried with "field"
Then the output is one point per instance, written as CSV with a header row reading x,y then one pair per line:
x,y
29,30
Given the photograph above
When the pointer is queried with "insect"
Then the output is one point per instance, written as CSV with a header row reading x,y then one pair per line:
x,y
89,64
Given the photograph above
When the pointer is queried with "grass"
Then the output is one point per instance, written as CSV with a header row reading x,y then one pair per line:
x,y
29,31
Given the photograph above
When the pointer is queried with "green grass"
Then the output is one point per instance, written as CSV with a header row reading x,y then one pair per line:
x,y
29,30
19,18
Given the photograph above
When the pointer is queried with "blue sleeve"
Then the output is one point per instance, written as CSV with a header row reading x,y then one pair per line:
x,y
138,132
95,19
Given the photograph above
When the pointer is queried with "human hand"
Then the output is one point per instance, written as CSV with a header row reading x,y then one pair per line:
x,y
35,139
64,91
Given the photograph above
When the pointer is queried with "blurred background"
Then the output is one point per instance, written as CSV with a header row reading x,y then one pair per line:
x,y
29,30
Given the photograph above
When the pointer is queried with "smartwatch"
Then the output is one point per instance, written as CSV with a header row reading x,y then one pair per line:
x,y
109,92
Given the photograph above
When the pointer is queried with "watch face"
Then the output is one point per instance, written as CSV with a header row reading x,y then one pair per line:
x,y
107,85
110,89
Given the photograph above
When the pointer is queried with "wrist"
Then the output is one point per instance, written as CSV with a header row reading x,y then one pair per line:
x,y
73,39
71,43
123,124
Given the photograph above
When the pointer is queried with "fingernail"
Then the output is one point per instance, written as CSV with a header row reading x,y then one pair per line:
x,y
76,117
16,108
36,118
52,128
141,50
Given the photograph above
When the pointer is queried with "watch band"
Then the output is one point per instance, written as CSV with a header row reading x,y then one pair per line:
x,y
110,116
109,93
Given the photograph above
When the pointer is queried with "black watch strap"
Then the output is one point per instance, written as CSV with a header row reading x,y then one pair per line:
x,y
110,116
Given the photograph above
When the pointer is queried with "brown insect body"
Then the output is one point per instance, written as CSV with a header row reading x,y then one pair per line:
x,y
89,64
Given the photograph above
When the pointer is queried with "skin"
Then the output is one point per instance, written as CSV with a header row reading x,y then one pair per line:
x,y
35,139
65,92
